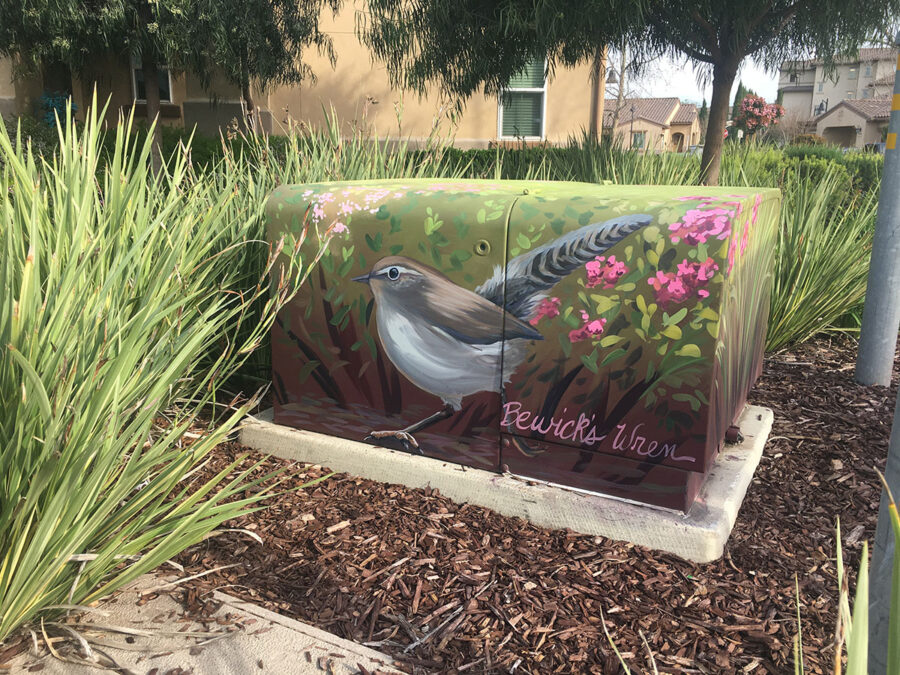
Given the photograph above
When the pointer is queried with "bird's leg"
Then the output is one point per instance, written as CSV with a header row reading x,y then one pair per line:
x,y
405,436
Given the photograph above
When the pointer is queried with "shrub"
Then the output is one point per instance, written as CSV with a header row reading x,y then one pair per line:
x,y
809,139
27,129
127,301
822,255
865,169
819,151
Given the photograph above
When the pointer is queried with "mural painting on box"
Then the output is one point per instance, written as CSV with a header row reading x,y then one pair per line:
x,y
600,337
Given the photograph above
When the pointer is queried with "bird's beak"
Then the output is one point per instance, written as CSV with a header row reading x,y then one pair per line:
x,y
363,279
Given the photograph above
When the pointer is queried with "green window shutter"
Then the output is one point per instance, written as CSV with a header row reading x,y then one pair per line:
x,y
532,77
522,113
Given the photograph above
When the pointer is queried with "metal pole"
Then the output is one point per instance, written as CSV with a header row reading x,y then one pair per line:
x,y
881,314
880,577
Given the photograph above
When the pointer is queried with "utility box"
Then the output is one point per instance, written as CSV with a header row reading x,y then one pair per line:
x,y
598,337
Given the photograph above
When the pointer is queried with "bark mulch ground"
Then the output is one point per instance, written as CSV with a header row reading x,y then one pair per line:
x,y
445,587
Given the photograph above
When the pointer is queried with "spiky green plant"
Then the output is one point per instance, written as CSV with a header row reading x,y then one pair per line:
x,y
125,301
822,257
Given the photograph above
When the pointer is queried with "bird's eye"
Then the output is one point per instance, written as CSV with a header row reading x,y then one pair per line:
x,y
393,273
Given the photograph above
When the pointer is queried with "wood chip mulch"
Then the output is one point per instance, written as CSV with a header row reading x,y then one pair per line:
x,y
444,587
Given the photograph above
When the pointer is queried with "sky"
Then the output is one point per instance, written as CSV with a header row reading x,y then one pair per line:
x,y
678,78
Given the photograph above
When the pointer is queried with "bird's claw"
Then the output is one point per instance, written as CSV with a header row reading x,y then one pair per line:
x,y
405,438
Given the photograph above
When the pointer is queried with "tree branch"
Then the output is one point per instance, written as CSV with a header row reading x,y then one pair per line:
x,y
713,45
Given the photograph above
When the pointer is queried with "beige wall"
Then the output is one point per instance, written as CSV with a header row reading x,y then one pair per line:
x,y
359,91
691,133
799,103
7,88
17,95
840,127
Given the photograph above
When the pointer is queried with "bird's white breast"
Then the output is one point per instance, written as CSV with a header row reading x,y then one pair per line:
x,y
435,361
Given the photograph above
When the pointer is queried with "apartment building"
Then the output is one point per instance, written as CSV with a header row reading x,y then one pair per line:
x,y
536,108
848,105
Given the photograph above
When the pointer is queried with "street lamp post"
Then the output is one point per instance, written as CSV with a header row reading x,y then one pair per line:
x,y
631,141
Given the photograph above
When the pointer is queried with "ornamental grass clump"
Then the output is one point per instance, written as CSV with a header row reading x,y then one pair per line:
x,y
126,301
822,256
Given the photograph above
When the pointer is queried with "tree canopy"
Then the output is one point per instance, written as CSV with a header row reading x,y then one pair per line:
x,y
471,45
251,41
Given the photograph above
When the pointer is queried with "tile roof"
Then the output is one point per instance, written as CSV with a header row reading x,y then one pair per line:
x,y
655,110
887,79
686,114
870,109
865,54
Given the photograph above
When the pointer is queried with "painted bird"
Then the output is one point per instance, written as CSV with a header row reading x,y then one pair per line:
x,y
448,340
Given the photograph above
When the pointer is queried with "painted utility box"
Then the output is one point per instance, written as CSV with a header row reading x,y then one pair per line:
x,y
598,337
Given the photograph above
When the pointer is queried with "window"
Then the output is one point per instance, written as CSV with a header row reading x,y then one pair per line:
x,y
522,105
869,70
821,86
853,74
867,92
793,77
850,95
139,87
637,140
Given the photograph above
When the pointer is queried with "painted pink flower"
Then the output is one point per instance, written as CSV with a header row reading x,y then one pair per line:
x,y
590,329
318,212
698,225
745,237
339,227
547,308
686,281
732,251
755,213
603,271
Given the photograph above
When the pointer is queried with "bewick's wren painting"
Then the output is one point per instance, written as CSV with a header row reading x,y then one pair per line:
x,y
449,341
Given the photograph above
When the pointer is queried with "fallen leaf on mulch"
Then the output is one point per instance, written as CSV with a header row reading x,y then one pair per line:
x,y
444,587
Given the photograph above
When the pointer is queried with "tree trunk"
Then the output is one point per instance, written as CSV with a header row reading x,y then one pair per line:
x,y
150,69
151,87
620,96
250,120
719,107
598,90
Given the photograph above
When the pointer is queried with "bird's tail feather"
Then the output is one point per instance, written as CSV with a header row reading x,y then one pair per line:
x,y
529,276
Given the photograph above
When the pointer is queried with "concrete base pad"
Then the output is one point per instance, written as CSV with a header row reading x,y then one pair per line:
x,y
699,535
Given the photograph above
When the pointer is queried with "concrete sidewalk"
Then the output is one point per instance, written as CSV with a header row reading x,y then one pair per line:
x,y
244,639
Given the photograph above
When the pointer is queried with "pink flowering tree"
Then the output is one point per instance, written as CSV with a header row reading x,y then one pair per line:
x,y
756,114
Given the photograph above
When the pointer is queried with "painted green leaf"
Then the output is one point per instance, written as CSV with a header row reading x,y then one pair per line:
x,y
677,316
612,356
650,234
374,243
307,368
672,332
523,241
590,361
688,350
687,398
610,340
604,303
